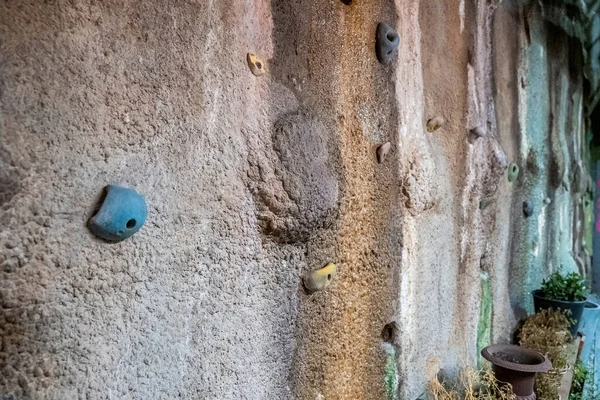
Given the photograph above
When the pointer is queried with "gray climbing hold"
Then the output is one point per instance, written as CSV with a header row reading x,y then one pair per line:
x,y
484,203
435,123
382,151
478,132
257,66
387,42
527,208
513,172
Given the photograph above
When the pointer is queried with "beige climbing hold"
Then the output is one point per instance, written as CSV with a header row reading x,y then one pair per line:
x,y
256,65
315,281
435,123
382,151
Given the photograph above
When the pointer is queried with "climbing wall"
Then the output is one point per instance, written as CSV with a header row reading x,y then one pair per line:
x,y
340,199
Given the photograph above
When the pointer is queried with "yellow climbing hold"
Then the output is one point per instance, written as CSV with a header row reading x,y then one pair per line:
x,y
435,123
257,66
315,281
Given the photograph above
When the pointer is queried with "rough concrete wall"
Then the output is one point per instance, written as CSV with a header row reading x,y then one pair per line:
x,y
252,181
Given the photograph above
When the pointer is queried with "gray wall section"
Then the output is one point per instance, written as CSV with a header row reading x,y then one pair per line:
x,y
253,181
596,260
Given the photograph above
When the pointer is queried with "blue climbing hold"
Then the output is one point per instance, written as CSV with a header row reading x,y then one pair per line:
x,y
122,213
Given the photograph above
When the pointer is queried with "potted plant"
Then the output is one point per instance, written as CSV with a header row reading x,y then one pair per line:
x,y
563,292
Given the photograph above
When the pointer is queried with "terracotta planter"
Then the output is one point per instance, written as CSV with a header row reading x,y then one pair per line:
x,y
516,365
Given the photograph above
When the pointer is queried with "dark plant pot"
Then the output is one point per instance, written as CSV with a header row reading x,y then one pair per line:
x,y
517,366
576,308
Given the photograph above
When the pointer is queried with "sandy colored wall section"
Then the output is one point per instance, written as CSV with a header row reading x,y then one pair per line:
x,y
252,181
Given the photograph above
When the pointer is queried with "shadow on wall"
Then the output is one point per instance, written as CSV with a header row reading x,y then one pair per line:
x,y
340,199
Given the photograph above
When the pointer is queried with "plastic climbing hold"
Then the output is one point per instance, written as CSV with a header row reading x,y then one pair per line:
x,y
513,172
547,200
382,151
387,42
315,281
527,208
435,123
122,213
256,65
484,203
478,132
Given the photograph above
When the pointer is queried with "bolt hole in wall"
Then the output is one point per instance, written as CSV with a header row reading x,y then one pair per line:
x,y
389,332
130,224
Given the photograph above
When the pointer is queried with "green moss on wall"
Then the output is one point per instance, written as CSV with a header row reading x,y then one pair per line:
x,y
391,373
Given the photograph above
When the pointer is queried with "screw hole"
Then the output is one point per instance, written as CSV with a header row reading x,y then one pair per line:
x,y
389,52
258,65
514,168
328,277
130,224
391,37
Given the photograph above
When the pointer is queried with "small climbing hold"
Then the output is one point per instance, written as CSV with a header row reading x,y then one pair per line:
x,y
513,172
387,42
121,213
382,151
527,208
435,123
256,65
484,203
478,132
315,281
547,200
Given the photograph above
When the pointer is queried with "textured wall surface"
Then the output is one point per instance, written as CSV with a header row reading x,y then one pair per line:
x,y
253,181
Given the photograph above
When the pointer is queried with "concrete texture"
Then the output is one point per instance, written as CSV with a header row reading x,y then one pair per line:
x,y
251,181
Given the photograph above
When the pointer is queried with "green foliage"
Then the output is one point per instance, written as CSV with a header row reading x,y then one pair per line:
x,y
580,374
570,287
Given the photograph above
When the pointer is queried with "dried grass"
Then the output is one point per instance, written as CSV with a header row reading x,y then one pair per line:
x,y
472,385
548,332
